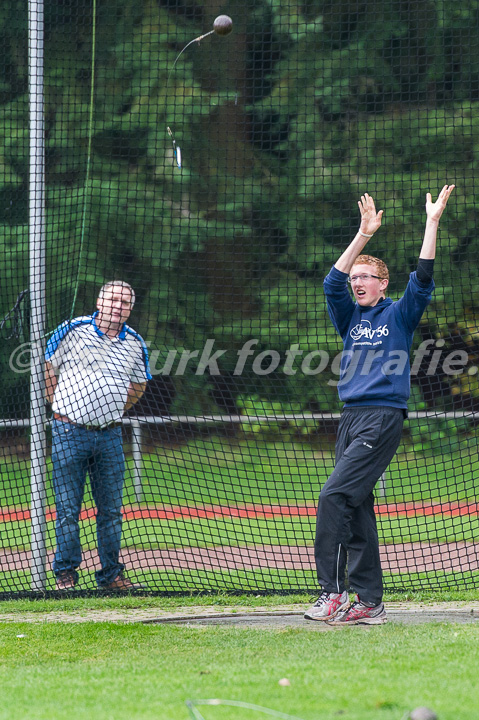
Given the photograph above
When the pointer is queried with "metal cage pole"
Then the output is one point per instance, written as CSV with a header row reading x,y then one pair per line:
x,y
37,292
136,451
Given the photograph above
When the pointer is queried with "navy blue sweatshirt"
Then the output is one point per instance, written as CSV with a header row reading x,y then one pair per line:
x,y
375,365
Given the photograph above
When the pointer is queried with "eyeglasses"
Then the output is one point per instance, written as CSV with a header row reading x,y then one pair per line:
x,y
363,278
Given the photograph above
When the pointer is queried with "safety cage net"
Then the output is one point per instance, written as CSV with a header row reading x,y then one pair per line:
x,y
204,161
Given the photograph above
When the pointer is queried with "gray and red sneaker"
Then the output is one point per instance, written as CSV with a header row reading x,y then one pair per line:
x,y
327,606
360,614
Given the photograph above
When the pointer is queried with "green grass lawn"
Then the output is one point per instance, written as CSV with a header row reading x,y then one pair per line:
x,y
118,672
266,580
221,471
224,472
282,530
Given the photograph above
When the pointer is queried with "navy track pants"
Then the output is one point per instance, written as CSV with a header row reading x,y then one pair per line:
x,y
346,532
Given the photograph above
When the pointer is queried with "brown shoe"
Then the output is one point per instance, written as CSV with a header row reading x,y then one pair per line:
x,y
66,581
122,584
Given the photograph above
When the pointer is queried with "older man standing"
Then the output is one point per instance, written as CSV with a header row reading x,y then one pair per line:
x,y
96,369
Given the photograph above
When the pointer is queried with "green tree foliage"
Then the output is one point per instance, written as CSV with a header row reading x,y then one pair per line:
x,y
282,125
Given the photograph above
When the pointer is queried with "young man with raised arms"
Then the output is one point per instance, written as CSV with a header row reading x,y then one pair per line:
x,y
374,385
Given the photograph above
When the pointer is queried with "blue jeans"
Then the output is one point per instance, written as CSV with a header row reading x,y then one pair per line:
x,y
76,451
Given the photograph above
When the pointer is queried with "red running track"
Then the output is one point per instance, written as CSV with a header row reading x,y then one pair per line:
x,y
265,512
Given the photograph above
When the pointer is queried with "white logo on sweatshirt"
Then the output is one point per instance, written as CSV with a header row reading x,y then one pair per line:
x,y
364,330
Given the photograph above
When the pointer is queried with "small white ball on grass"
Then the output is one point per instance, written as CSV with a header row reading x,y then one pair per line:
x,y
422,713
284,682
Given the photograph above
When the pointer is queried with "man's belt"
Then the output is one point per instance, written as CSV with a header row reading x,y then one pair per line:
x,y
65,419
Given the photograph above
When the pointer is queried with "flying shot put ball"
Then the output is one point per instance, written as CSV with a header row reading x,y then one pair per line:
x,y
223,25
423,713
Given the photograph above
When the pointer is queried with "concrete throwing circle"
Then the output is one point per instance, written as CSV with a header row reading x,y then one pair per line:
x,y
295,619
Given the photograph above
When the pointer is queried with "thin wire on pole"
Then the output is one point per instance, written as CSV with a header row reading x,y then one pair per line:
x,y
88,161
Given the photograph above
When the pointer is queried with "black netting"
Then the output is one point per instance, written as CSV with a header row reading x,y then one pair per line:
x,y
222,184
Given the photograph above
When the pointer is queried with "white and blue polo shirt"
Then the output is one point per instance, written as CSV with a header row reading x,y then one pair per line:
x,y
95,371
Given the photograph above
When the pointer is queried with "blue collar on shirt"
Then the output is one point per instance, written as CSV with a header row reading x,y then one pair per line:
x,y
385,301
121,334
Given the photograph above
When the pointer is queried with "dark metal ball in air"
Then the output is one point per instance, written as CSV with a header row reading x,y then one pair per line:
x,y
223,25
